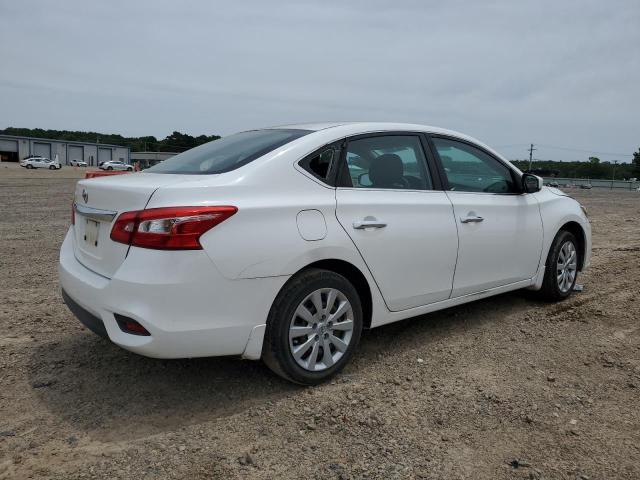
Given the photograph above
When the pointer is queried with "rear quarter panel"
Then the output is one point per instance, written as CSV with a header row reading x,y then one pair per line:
x,y
263,238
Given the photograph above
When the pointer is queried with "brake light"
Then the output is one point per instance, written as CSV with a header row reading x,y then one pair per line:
x,y
171,228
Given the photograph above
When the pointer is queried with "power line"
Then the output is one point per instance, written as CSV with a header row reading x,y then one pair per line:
x,y
568,149
588,151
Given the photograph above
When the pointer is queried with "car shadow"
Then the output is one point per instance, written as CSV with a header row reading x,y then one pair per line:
x,y
111,393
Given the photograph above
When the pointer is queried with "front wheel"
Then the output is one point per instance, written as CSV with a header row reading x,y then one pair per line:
x,y
109,168
29,166
52,167
561,270
313,328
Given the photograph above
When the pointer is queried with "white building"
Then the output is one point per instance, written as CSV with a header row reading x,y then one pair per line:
x,y
14,148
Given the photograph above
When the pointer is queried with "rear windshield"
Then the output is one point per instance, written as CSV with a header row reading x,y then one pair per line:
x,y
228,153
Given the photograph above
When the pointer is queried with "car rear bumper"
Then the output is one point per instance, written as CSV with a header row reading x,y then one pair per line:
x,y
189,309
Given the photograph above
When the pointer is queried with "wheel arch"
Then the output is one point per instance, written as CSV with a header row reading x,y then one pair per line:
x,y
576,229
354,275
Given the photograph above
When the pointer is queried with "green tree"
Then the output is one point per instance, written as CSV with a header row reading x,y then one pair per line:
x,y
636,164
176,142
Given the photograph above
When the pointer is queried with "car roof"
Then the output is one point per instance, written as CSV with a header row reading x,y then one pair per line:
x,y
354,128
368,126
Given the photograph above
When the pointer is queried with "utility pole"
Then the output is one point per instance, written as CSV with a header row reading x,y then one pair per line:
x,y
615,162
531,149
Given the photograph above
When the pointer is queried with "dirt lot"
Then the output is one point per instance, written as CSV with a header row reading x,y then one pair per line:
x,y
508,387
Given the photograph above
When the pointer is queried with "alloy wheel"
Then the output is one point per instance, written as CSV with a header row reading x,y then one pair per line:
x,y
566,266
321,329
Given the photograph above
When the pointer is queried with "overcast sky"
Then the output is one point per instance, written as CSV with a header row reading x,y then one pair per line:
x,y
555,73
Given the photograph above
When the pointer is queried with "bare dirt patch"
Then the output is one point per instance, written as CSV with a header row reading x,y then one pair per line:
x,y
508,387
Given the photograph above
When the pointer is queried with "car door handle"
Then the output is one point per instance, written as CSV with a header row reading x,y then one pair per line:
x,y
473,219
362,224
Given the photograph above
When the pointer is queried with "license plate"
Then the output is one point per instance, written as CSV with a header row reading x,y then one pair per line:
x,y
91,232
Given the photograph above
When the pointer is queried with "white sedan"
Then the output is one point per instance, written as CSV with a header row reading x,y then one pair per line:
x,y
77,163
285,243
40,162
115,165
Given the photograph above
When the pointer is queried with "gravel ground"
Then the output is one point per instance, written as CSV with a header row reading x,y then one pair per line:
x,y
507,387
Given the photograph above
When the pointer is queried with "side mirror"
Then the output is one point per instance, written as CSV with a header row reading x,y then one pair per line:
x,y
531,183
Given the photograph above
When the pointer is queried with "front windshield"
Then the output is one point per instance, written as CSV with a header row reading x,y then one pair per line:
x,y
228,153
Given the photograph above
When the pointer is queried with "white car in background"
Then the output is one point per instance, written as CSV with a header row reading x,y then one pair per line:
x,y
115,165
40,162
285,243
77,163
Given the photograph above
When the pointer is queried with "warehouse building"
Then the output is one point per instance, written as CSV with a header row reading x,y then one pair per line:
x,y
15,148
149,159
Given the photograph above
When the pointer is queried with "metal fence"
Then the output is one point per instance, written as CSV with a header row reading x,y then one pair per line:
x,y
595,183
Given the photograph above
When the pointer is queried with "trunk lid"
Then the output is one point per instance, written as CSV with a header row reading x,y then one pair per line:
x,y
99,201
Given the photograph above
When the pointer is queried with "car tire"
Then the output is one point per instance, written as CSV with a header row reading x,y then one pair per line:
x,y
299,295
29,166
558,286
129,169
52,167
109,168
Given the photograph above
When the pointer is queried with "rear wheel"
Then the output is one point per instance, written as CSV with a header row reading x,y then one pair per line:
x,y
313,328
561,270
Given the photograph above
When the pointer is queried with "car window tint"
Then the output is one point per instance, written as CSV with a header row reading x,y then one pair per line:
x,y
228,153
319,163
469,169
394,162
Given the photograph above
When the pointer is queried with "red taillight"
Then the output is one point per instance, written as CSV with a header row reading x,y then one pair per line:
x,y
135,327
129,325
171,228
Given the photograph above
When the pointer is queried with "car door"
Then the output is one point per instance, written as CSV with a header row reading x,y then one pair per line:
x,y
401,222
499,227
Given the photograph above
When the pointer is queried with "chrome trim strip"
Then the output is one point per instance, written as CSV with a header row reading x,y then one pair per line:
x,y
95,213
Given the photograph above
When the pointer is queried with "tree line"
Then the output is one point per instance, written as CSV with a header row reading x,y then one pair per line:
x,y
592,168
176,142
179,142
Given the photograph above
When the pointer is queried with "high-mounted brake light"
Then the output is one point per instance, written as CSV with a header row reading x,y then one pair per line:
x,y
171,228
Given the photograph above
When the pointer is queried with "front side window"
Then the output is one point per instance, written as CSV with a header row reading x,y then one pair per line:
x,y
393,162
228,153
469,169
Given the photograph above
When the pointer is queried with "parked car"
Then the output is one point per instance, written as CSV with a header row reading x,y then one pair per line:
x,y
586,186
115,165
285,243
77,163
40,162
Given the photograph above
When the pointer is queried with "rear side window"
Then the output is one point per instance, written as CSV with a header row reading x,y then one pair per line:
x,y
320,163
394,162
228,153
